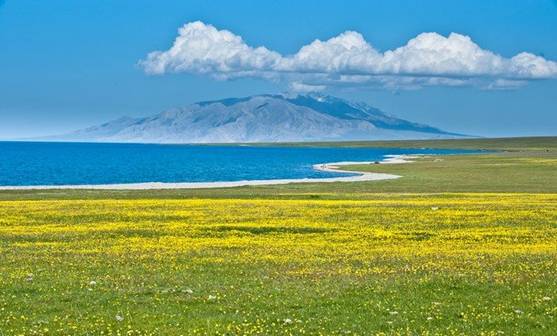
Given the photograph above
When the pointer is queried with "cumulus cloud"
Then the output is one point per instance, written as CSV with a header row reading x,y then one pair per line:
x,y
429,59
201,48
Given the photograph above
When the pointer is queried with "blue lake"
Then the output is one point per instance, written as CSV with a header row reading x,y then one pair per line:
x,y
41,163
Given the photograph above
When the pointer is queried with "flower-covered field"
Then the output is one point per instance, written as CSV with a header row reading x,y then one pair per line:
x,y
445,264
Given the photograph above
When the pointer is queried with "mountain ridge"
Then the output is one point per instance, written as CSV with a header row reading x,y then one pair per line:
x,y
260,118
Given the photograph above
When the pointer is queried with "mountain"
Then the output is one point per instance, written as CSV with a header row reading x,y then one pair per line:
x,y
263,118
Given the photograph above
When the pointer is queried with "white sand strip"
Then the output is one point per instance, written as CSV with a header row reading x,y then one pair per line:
x,y
396,159
329,167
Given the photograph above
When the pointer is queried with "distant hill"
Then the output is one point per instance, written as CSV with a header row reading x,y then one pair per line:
x,y
263,118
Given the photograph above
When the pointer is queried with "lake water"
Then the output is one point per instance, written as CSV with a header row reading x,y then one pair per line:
x,y
40,163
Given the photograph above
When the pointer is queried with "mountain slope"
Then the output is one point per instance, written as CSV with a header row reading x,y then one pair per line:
x,y
264,118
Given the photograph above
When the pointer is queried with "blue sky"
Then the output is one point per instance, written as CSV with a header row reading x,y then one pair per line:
x,y
70,64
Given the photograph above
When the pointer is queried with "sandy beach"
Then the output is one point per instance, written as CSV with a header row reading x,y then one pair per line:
x,y
328,167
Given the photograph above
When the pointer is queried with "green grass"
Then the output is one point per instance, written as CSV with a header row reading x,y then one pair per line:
x,y
512,144
501,172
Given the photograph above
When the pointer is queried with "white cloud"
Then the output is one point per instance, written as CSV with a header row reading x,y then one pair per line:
x,y
345,53
429,59
301,87
201,48
505,84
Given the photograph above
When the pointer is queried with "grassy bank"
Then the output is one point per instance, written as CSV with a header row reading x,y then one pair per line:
x,y
508,144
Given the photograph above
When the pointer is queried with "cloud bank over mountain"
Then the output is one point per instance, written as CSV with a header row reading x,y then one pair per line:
x,y
429,59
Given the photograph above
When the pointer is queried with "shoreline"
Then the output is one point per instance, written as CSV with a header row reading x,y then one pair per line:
x,y
327,167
